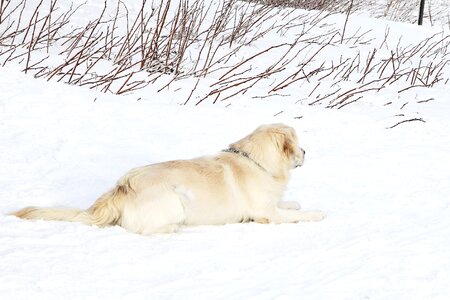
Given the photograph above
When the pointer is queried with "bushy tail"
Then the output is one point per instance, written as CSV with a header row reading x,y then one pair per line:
x,y
107,210
54,214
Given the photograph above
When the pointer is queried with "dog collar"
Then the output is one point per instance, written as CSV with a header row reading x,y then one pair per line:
x,y
246,155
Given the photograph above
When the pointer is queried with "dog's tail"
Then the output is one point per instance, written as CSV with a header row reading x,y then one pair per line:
x,y
107,210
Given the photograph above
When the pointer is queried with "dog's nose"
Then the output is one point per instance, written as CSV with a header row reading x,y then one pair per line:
x,y
303,150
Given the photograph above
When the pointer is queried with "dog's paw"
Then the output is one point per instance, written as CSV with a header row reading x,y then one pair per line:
x,y
295,205
289,205
316,215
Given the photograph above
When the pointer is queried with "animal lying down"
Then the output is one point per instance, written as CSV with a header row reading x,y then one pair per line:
x,y
243,183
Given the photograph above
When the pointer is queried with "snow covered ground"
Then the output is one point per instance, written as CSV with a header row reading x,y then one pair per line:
x,y
385,193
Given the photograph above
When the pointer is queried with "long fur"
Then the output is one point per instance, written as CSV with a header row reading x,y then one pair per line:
x,y
105,211
226,188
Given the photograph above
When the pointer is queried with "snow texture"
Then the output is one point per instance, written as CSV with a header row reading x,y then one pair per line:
x,y
385,193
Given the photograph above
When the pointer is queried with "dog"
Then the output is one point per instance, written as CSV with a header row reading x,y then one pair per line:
x,y
242,183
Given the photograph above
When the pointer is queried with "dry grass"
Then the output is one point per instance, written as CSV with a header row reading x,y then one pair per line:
x,y
121,52
330,5
437,11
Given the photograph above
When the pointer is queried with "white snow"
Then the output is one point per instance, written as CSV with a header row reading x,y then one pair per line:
x,y
385,193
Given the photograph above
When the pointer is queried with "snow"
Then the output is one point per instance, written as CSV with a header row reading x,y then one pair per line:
x,y
385,193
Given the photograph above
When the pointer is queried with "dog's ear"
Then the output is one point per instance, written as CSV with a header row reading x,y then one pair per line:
x,y
288,145
284,142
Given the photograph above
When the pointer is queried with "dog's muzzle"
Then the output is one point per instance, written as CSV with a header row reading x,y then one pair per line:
x,y
299,161
298,164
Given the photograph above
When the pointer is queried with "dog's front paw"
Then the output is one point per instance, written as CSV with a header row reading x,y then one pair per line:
x,y
316,215
289,205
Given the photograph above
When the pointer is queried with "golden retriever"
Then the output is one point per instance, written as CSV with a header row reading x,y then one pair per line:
x,y
243,183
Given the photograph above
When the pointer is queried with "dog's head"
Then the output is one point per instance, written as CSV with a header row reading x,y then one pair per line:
x,y
275,147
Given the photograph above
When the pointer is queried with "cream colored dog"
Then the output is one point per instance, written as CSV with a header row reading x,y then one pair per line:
x,y
245,182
